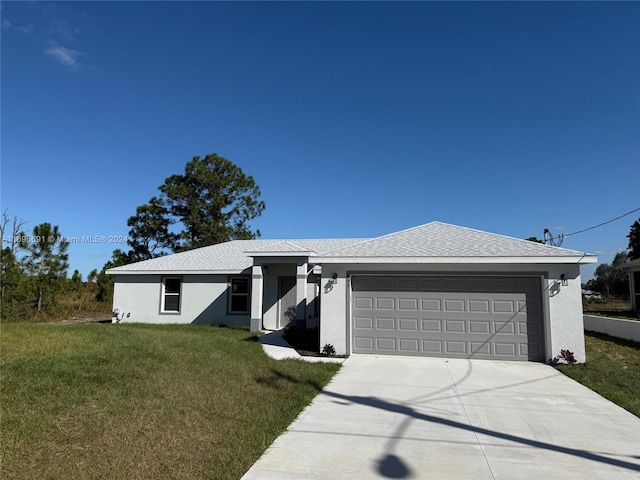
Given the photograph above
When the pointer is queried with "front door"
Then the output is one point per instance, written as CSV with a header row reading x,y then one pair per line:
x,y
287,301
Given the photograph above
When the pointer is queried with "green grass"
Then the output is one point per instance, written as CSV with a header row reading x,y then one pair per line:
x,y
612,370
142,401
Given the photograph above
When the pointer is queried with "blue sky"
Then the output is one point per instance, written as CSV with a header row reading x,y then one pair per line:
x,y
355,119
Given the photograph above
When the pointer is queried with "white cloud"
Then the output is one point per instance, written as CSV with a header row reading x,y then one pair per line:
x,y
63,29
26,29
64,56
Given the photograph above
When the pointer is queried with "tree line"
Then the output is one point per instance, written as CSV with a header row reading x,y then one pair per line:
x,y
213,201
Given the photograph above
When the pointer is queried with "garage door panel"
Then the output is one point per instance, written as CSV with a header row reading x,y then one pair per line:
x,y
483,348
361,323
455,347
388,344
408,324
363,303
386,323
503,306
385,303
431,347
430,305
458,326
409,345
479,327
522,328
363,343
451,305
464,317
431,325
504,328
410,304
479,306
508,349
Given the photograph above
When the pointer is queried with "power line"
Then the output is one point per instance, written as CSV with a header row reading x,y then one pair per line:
x,y
603,223
561,237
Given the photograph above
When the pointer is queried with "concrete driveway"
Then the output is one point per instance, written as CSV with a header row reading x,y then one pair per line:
x,y
401,417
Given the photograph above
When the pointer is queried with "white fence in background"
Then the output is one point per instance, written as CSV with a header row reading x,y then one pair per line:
x,y
616,327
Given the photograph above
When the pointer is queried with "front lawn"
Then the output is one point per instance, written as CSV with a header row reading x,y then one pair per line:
x,y
142,401
612,370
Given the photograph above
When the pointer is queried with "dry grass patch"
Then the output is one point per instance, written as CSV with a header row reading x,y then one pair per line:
x,y
610,307
142,401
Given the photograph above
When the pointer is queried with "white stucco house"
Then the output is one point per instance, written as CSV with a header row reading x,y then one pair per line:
x,y
633,269
433,290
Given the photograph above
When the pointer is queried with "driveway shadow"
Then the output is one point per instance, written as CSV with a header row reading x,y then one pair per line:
x,y
409,412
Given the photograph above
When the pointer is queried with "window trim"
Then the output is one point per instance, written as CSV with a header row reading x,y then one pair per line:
x,y
163,295
231,295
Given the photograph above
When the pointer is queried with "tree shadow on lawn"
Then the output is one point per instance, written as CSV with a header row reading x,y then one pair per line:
x,y
278,379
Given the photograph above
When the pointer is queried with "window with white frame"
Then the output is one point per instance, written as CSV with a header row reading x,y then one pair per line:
x,y
239,295
171,293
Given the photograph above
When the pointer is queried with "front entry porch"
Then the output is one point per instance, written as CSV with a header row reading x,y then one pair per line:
x,y
284,290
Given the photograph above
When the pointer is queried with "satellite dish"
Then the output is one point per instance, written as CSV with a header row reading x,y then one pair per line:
x,y
550,240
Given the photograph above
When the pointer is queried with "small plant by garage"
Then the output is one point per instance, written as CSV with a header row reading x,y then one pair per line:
x,y
566,356
328,350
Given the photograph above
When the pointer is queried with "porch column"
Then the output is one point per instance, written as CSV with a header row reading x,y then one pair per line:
x,y
301,292
256,298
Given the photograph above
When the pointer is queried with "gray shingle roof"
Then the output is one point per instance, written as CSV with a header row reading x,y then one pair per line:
x,y
437,239
430,241
230,256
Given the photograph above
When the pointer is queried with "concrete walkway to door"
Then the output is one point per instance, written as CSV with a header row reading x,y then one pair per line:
x,y
404,417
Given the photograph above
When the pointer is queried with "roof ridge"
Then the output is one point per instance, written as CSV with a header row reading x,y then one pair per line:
x,y
366,240
296,245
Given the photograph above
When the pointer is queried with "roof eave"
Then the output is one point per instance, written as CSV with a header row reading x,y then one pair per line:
x,y
176,272
585,259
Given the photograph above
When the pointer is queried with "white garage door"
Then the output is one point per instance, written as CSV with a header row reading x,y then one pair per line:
x,y
462,317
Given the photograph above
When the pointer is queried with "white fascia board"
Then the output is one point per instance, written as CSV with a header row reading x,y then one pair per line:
x,y
633,265
288,253
112,271
456,260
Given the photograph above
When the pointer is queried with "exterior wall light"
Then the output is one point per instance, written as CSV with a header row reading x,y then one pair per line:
x,y
334,279
563,280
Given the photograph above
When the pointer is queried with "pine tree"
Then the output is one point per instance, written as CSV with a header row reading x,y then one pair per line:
x,y
634,240
45,260
16,289
212,202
